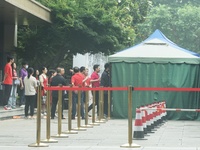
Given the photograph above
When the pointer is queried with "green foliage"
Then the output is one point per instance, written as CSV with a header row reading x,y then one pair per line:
x,y
181,25
81,26
175,3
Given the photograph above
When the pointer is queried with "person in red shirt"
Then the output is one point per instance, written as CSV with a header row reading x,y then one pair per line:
x,y
95,80
8,81
85,80
77,80
16,82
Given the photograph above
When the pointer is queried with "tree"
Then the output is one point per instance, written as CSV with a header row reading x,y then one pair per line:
x,y
81,26
181,25
175,3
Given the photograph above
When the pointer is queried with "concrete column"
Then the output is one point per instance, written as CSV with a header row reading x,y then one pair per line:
x,y
9,36
1,50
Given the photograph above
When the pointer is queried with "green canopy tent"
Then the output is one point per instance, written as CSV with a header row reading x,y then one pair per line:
x,y
156,62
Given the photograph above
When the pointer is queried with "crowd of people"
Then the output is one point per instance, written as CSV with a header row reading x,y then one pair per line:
x,y
29,79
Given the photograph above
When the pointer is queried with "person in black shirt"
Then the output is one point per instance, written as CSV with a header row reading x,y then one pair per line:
x,y
56,81
105,82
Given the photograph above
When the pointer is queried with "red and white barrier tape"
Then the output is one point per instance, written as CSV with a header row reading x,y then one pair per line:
x,y
171,109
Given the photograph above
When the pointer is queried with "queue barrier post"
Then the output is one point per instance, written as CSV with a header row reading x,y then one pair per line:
x,y
86,110
70,131
79,128
93,110
60,135
109,104
48,122
130,144
100,118
38,130
102,106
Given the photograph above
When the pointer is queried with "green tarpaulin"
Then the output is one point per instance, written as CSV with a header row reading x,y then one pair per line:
x,y
156,71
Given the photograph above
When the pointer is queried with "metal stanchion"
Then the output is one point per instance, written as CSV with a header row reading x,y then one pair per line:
x,y
70,131
79,128
60,135
48,123
109,104
38,132
130,144
93,111
100,118
102,107
86,110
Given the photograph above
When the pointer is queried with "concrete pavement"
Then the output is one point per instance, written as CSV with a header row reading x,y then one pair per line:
x,y
17,134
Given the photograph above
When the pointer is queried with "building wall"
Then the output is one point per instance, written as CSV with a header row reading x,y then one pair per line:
x,y
89,60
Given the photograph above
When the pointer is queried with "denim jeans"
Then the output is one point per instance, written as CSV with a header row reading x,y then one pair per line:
x,y
75,101
12,99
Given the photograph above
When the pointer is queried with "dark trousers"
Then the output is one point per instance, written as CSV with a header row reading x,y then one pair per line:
x,y
7,91
54,104
35,103
30,101
96,102
105,104
22,97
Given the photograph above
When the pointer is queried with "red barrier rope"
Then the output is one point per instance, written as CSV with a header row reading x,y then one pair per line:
x,y
68,88
165,89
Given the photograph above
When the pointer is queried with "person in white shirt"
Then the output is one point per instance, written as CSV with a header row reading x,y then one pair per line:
x,y
30,84
44,83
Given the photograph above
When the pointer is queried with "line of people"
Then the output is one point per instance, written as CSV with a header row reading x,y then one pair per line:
x,y
81,78
29,80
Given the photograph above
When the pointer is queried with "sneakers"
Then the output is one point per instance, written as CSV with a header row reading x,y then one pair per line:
x,y
29,117
7,108
13,107
22,106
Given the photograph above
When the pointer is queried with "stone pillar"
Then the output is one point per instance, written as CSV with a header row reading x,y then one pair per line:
x,y
7,38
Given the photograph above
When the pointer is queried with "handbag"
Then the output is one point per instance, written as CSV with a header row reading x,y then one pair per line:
x,y
17,82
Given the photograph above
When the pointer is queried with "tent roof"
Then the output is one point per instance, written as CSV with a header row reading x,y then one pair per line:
x,y
156,48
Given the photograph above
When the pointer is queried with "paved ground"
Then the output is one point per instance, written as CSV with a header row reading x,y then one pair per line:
x,y
17,134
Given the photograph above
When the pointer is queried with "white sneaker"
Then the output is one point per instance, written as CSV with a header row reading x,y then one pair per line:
x,y
9,108
22,106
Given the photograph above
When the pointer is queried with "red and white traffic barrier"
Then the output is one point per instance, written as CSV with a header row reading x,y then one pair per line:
x,y
173,109
138,128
